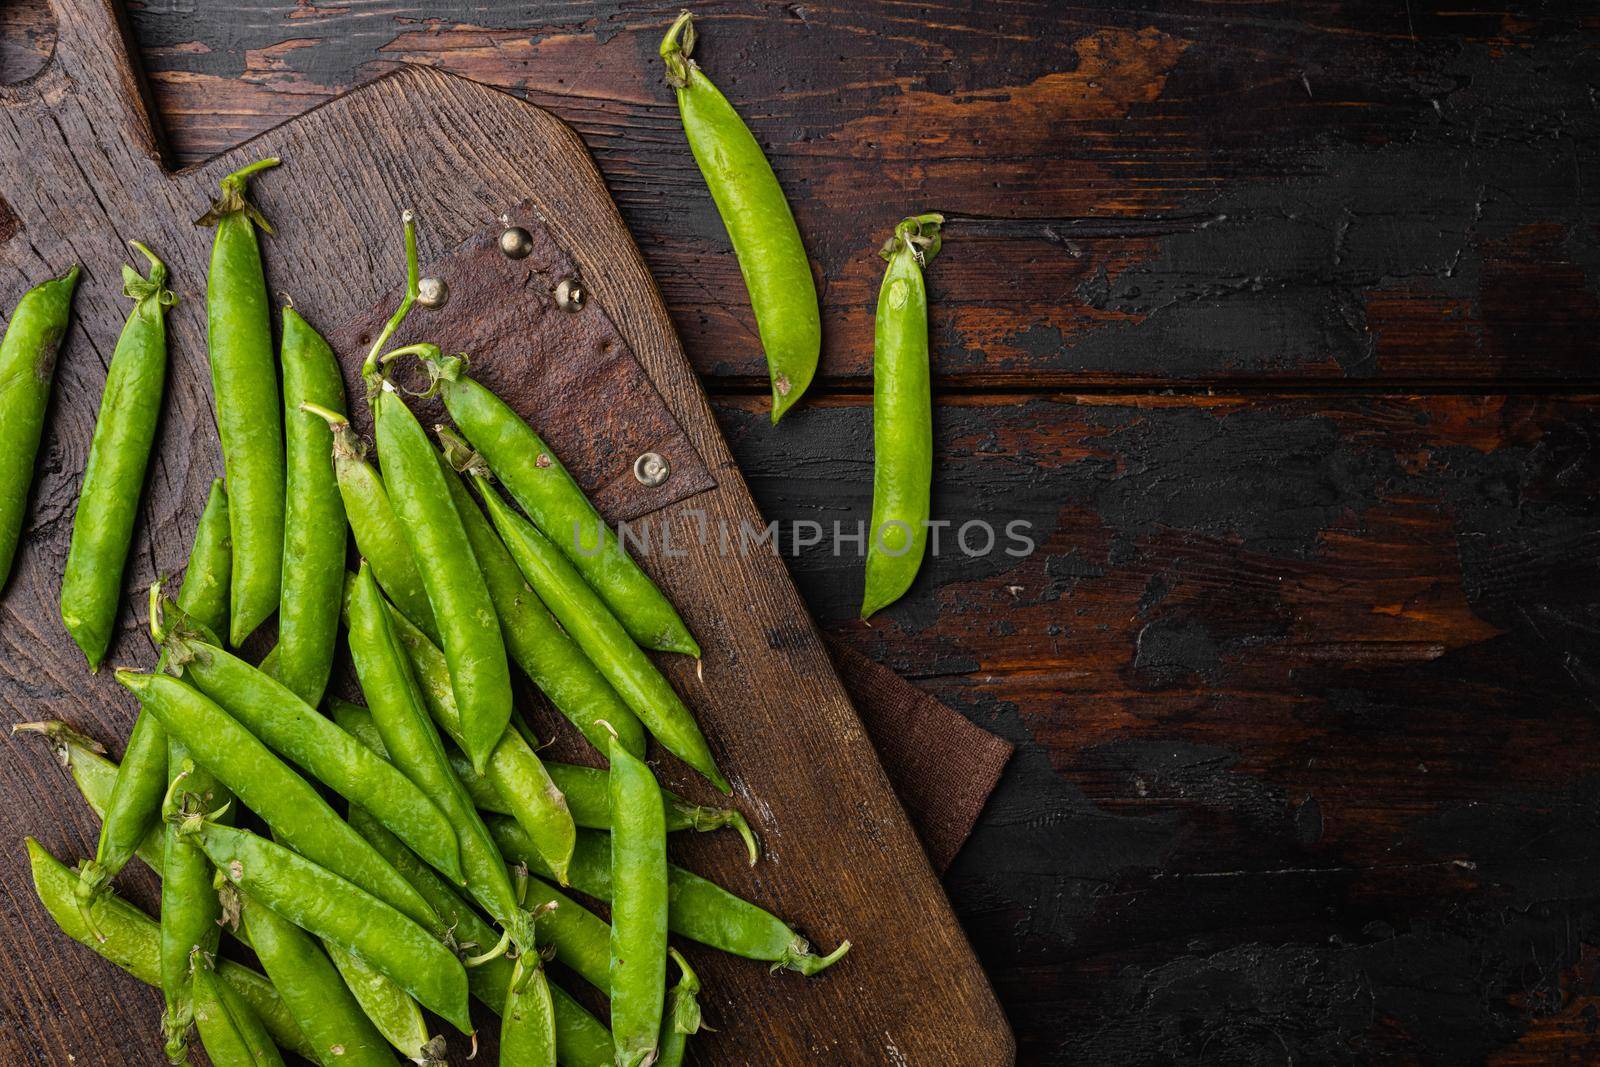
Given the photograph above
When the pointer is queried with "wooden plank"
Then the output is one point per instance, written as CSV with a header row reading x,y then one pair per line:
x,y
1304,694
79,169
1328,191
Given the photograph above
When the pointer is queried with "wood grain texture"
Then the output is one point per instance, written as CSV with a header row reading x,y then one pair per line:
x,y
1304,694
1176,192
80,169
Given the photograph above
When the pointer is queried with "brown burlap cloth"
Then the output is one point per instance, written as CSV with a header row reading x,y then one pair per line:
x,y
942,766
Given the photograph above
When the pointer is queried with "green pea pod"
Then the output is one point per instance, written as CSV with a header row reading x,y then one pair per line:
x,y
134,808
377,530
528,1024
96,778
102,528
244,386
682,1014
699,909
581,1039
550,659
588,794
321,902
131,942
189,907
204,594
602,638
468,628
314,527
757,216
533,475
390,1010
638,909
27,370
312,989
581,939
514,771
290,726
287,803
414,746
902,417
232,1034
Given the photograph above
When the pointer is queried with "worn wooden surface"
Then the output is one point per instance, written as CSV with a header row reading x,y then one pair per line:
x,y
1303,672
79,173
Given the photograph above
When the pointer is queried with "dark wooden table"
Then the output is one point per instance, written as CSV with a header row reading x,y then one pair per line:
x,y
1279,324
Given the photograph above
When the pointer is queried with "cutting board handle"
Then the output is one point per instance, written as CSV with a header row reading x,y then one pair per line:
x,y
92,71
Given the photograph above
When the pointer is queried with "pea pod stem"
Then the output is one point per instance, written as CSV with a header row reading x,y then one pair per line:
x,y
682,1015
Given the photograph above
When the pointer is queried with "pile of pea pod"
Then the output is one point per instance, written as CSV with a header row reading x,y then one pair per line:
x,y
387,862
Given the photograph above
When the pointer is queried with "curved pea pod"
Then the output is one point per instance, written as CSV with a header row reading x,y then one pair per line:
x,y
698,909
320,902
757,216
313,991
131,942
550,659
27,371
229,1029
314,526
588,794
372,520
469,630
124,430
682,1017
514,772
287,803
244,386
536,479
292,727
389,1009
414,746
902,417
638,909
585,617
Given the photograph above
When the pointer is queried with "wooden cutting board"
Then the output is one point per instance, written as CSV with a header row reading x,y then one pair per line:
x,y
80,174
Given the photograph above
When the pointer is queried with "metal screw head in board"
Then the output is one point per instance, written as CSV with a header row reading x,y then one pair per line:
x,y
571,295
433,293
651,469
516,242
